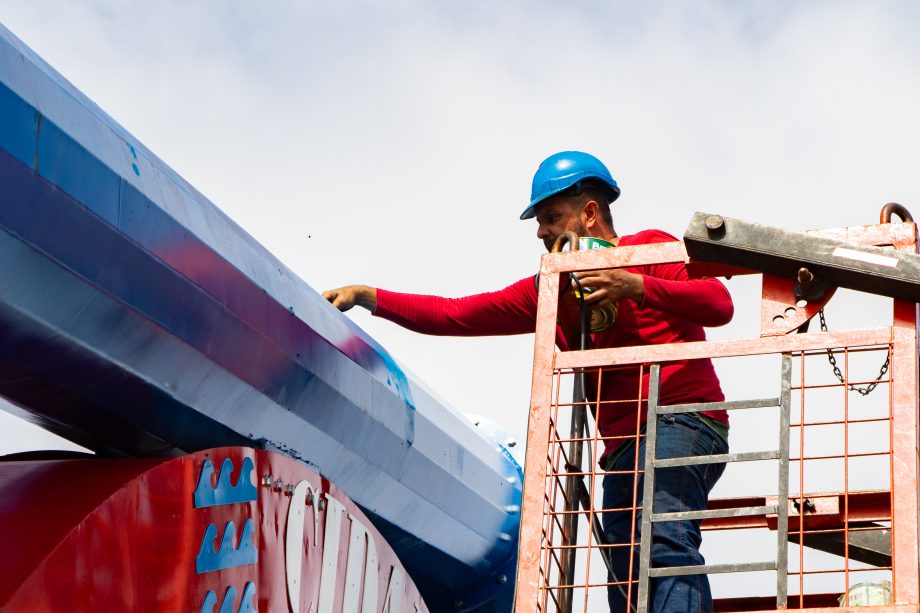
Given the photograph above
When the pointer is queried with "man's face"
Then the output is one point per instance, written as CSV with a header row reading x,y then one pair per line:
x,y
555,216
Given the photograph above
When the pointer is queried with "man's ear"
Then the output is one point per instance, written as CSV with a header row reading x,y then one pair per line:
x,y
590,214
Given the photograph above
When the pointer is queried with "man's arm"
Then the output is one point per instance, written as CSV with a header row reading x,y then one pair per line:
x,y
664,287
704,302
511,310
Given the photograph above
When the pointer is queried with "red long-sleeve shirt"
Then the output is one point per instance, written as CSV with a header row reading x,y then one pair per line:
x,y
675,309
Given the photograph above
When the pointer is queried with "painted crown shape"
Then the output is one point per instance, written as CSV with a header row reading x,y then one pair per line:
x,y
226,606
207,495
226,556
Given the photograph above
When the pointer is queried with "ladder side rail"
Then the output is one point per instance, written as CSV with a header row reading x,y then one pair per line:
x,y
648,490
782,495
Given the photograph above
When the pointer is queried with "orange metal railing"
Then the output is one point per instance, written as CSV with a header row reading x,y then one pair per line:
x,y
852,464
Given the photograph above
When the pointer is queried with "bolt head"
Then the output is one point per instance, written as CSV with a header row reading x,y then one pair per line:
x,y
715,226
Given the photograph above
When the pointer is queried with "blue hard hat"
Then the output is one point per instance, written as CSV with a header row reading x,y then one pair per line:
x,y
561,171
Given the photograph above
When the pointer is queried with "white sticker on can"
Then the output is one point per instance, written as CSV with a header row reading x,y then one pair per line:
x,y
871,258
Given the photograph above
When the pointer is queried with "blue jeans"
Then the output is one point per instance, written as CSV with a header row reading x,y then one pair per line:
x,y
675,543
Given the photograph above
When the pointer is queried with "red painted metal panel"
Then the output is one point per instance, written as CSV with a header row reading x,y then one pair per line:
x,y
92,535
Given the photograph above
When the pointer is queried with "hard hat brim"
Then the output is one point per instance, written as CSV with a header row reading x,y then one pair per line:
x,y
530,211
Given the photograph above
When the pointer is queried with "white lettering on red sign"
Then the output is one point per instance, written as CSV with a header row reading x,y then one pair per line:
x,y
393,601
361,568
331,534
293,542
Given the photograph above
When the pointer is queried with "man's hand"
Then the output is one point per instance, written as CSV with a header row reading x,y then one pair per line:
x,y
611,285
346,297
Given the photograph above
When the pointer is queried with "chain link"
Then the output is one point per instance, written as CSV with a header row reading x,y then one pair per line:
x,y
865,391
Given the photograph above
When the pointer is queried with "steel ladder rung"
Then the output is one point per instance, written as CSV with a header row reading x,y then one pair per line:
x,y
714,513
748,456
731,405
711,569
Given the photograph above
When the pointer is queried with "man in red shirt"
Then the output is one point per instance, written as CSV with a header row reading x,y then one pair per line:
x,y
572,191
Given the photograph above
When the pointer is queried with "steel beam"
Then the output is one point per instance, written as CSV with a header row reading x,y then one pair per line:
x,y
868,543
876,270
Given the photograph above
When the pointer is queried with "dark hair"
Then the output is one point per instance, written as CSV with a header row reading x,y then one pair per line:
x,y
589,189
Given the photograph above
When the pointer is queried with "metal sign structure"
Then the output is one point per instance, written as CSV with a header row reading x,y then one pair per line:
x,y
858,528
233,530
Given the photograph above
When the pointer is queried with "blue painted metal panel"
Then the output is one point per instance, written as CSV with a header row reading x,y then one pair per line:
x,y
66,164
17,134
136,318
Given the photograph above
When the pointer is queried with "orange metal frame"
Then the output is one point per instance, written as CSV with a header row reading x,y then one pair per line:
x,y
542,544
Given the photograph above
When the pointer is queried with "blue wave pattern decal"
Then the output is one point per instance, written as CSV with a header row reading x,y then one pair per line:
x,y
247,604
226,557
210,599
206,495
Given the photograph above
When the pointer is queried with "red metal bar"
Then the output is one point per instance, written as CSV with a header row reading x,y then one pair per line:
x,y
801,498
621,356
526,599
904,477
863,507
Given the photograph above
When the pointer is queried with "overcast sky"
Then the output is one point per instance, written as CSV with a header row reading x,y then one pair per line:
x,y
393,143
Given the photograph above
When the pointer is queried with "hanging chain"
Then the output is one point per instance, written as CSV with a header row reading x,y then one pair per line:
x,y
865,391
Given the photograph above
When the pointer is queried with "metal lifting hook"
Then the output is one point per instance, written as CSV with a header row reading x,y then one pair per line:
x,y
566,238
893,208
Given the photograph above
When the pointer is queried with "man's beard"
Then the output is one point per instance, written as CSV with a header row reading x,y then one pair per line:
x,y
578,229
